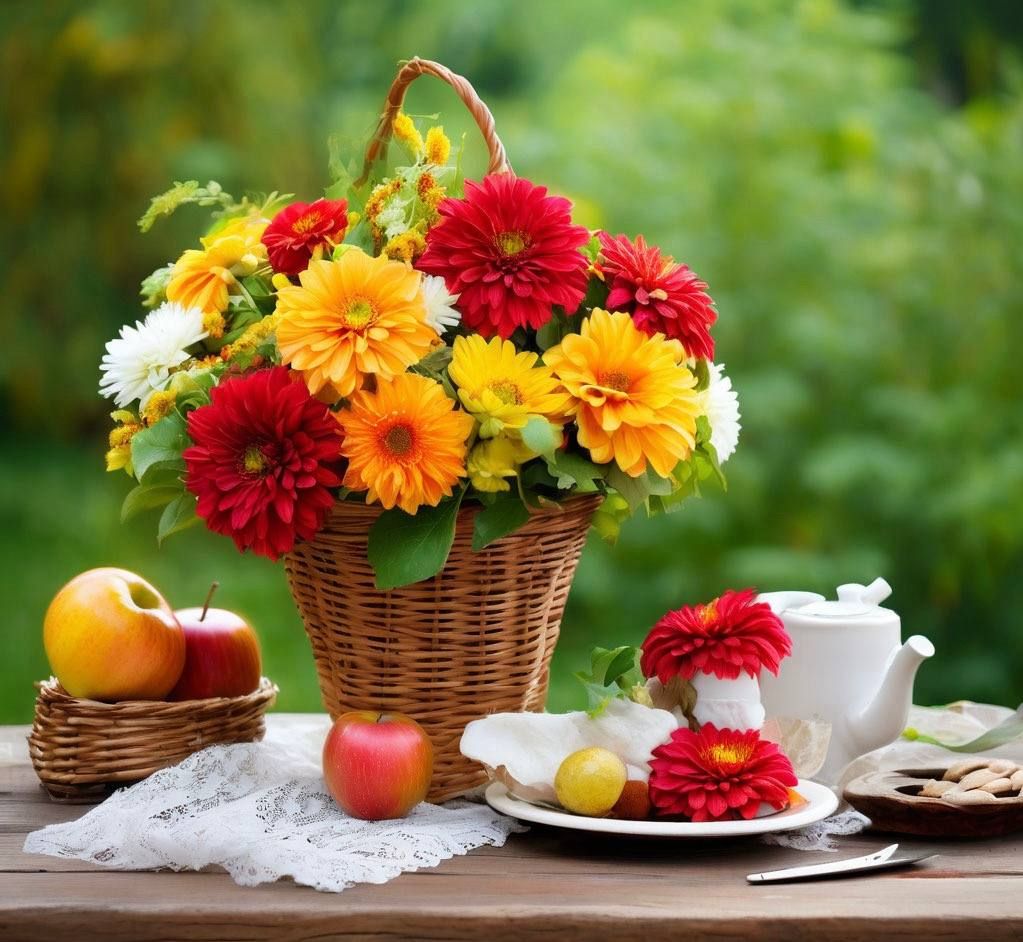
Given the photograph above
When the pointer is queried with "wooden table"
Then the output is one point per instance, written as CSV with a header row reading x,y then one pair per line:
x,y
540,885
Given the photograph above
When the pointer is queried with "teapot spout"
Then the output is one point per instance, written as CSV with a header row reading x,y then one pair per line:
x,y
884,718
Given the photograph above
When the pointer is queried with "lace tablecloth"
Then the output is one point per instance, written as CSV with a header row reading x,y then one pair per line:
x,y
261,812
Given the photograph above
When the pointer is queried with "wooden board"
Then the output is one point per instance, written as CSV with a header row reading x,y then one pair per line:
x,y
546,884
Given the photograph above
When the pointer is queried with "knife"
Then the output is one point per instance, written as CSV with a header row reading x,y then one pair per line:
x,y
880,860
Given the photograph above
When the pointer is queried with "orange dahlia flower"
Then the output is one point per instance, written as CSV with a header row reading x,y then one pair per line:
x,y
353,317
635,403
405,442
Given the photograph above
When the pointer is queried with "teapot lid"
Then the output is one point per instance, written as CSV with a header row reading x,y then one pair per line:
x,y
853,600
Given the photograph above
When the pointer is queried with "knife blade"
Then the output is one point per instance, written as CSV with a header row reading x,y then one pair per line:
x,y
880,860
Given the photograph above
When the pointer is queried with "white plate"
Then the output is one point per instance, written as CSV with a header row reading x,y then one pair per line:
x,y
821,801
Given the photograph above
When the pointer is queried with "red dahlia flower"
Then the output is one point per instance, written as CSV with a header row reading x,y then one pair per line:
x,y
299,230
718,774
263,461
731,634
661,295
510,252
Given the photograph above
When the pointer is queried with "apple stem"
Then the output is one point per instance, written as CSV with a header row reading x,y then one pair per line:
x,y
209,598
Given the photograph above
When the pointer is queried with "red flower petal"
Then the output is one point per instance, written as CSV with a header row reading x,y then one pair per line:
x,y
510,252
718,775
732,634
662,295
299,229
245,442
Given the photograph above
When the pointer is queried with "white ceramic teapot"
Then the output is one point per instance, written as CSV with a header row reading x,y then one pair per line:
x,y
848,668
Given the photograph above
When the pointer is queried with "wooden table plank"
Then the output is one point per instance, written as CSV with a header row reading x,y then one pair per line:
x,y
545,884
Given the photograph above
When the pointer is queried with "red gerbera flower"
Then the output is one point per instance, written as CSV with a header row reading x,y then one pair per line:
x,y
510,252
298,231
662,295
731,634
264,459
718,774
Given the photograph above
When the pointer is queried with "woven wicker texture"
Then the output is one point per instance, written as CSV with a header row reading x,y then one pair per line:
x,y
407,74
475,639
80,748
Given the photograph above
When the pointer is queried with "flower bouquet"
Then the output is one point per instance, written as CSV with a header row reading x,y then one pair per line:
x,y
417,389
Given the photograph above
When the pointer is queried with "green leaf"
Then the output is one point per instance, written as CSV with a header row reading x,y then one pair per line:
x,y
1005,732
181,194
505,515
146,497
541,436
614,673
160,444
637,490
178,515
406,548
609,517
598,696
609,666
572,469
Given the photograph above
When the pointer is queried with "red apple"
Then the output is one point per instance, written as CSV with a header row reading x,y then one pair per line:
x,y
109,635
377,765
221,654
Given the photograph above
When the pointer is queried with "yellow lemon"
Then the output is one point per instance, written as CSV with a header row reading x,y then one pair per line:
x,y
590,781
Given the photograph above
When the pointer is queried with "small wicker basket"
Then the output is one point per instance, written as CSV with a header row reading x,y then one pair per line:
x,y
82,749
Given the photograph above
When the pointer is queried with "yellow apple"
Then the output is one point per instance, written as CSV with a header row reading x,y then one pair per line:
x,y
109,635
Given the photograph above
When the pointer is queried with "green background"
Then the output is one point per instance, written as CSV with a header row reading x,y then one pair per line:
x,y
847,177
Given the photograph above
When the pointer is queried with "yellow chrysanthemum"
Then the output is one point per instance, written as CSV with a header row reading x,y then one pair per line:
x,y
253,336
119,455
405,443
406,247
350,318
159,405
213,323
203,278
501,387
438,147
493,460
635,402
382,192
406,132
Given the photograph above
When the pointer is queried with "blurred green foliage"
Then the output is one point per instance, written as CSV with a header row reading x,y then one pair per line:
x,y
860,233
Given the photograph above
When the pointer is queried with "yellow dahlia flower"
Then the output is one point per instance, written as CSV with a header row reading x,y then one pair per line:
x,y
203,278
635,403
492,460
405,442
353,317
501,387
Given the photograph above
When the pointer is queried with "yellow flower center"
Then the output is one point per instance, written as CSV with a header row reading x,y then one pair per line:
x,y
507,391
709,612
254,461
305,223
511,243
398,440
616,380
725,754
359,314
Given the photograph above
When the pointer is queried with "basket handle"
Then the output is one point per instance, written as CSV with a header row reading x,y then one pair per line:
x,y
407,74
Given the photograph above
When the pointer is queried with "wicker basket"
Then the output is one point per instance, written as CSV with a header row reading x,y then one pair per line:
x,y
475,639
81,749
